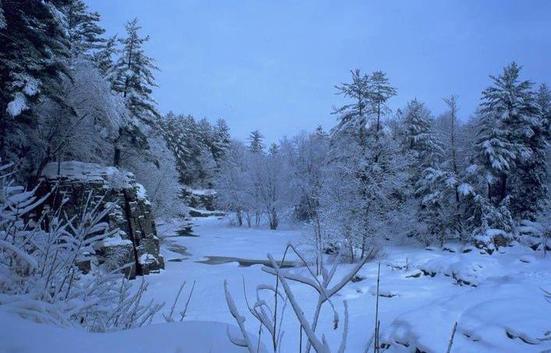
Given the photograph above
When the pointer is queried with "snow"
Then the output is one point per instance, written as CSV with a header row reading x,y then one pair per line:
x,y
418,311
31,86
202,192
497,300
17,105
115,241
88,172
22,336
465,189
141,193
146,259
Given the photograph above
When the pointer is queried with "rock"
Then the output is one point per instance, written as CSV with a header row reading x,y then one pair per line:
x,y
200,198
193,212
130,212
492,240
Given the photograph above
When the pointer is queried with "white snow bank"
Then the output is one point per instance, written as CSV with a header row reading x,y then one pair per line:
x,y
23,336
502,325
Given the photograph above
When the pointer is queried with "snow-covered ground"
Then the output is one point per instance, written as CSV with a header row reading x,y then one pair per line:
x,y
497,300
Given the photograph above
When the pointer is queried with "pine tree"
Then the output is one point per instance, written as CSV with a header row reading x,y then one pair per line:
x,y
133,75
33,55
437,210
353,116
506,138
529,192
380,91
256,142
433,186
222,140
355,166
85,33
419,138
104,58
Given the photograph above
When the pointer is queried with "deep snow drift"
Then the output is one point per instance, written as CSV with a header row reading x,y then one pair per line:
x,y
496,300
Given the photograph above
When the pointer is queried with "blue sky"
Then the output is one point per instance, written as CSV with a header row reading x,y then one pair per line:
x,y
273,65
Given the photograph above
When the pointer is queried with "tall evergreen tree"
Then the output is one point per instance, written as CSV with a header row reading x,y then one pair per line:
x,y
380,91
133,75
529,186
506,131
432,186
354,165
222,140
419,138
104,58
84,32
256,142
353,116
33,54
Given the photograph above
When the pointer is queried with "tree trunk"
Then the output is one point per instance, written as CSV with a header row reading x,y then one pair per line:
x,y
273,219
117,157
239,216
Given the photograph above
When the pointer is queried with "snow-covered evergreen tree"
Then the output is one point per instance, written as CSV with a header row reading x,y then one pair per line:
x,y
358,176
221,140
509,143
33,56
104,58
133,75
256,142
83,29
431,184
380,92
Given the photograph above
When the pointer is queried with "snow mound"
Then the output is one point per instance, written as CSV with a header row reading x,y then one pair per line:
x,y
463,270
22,336
497,325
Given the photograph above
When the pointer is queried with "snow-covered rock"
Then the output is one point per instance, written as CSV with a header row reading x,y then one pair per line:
x,y
72,183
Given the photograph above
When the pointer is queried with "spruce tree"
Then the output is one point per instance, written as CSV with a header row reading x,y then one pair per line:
x,y
133,75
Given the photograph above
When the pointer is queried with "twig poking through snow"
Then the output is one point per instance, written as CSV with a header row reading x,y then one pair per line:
x,y
450,344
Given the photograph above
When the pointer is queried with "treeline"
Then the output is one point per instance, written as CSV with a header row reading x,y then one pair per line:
x,y
69,92
406,174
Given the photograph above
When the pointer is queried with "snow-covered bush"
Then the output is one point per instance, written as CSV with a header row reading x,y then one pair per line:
x,y
47,272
